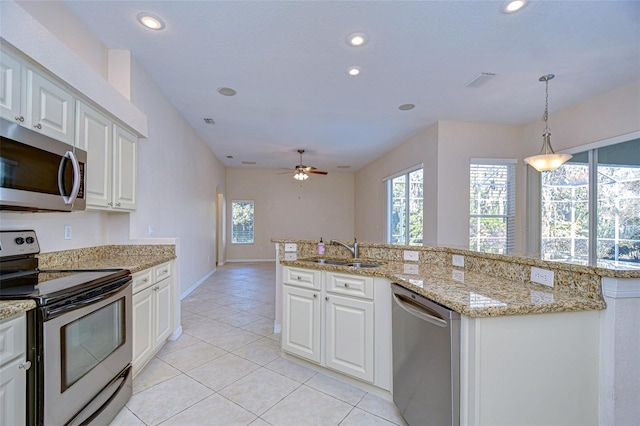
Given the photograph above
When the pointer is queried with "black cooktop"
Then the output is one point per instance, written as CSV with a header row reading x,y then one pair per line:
x,y
20,277
47,287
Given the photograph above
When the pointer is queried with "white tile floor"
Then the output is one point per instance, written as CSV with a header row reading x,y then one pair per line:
x,y
226,368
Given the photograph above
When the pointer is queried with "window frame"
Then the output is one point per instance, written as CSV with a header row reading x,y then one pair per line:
x,y
534,197
511,164
253,223
389,203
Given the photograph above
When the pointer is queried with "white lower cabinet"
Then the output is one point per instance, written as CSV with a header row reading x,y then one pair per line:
x,y
339,321
349,336
13,368
152,312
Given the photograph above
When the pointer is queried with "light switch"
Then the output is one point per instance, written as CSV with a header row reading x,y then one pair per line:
x,y
290,247
411,255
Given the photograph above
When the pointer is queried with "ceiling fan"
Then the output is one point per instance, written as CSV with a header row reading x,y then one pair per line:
x,y
301,172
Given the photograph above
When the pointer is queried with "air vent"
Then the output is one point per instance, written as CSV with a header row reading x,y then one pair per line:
x,y
480,79
209,120
344,167
249,162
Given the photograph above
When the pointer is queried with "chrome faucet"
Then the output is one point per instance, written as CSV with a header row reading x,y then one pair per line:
x,y
353,250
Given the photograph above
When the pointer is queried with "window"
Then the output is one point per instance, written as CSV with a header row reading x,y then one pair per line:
x,y
404,208
590,206
242,222
492,205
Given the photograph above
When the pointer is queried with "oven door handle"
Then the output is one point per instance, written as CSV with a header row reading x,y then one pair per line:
x,y
56,312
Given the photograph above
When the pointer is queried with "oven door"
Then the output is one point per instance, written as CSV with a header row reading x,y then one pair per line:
x,y
39,173
87,350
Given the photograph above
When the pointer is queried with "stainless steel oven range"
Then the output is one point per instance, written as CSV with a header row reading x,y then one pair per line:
x,y
79,335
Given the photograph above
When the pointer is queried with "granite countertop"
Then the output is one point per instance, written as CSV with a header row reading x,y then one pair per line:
x,y
131,262
473,294
9,308
135,258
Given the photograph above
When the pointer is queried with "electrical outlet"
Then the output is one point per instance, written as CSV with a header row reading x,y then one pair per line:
x,y
542,276
151,231
290,247
458,275
457,260
290,256
411,255
67,232
410,268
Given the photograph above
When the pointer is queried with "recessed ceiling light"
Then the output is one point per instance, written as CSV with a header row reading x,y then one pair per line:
x,y
406,107
353,71
357,39
226,91
511,6
151,21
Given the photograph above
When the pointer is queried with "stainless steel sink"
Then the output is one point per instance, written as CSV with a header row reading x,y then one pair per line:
x,y
363,265
330,262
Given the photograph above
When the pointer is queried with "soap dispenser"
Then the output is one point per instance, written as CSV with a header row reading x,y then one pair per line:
x,y
321,247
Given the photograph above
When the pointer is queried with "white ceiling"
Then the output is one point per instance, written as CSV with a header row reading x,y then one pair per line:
x,y
288,61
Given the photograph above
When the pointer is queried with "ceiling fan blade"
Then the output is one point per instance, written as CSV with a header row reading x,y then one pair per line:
x,y
285,173
317,172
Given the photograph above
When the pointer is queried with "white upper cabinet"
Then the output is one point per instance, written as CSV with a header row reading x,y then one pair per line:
x,y
94,134
111,160
125,158
34,101
49,108
10,79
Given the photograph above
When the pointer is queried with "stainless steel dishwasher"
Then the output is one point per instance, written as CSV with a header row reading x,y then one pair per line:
x,y
426,359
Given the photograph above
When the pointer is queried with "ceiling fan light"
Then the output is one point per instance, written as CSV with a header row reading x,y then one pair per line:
x,y
300,175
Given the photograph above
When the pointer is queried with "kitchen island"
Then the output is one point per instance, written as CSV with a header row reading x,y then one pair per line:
x,y
530,354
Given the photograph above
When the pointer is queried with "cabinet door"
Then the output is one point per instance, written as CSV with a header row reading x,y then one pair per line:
x,y
349,336
143,330
93,134
301,323
13,393
125,157
49,108
10,79
162,297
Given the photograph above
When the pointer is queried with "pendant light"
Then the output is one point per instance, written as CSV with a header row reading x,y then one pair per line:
x,y
547,160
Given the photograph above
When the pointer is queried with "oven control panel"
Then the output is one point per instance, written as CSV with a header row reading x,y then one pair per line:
x,y
16,243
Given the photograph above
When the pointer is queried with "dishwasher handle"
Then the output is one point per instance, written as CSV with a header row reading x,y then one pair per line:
x,y
419,311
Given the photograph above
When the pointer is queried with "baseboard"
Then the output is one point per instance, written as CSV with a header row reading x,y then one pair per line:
x,y
249,260
177,333
196,285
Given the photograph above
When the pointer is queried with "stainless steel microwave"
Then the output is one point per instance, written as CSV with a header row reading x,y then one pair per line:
x,y
38,173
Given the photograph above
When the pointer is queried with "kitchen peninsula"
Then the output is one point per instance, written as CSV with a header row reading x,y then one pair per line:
x,y
529,353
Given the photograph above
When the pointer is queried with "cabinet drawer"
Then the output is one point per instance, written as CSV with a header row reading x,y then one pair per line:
x,y
161,272
12,338
142,280
352,285
299,277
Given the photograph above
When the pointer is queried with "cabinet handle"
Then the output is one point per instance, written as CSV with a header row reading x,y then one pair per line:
x,y
156,288
110,204
25,365
117,204
326,298
146,280
346,284
38,126
315,296
20,118
298,278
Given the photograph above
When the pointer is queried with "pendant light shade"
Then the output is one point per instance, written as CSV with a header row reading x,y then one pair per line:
x,y
547,160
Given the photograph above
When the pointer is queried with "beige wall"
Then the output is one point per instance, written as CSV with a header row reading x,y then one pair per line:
x,y
446,148
177,172
370,195
321,206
